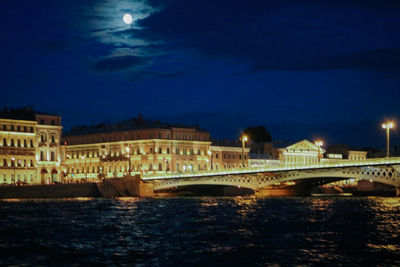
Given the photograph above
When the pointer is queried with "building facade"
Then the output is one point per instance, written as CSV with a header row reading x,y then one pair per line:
x,y
29,150
89,157
33,151
301,153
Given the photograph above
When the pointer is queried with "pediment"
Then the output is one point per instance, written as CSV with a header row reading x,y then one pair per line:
x,y
304,145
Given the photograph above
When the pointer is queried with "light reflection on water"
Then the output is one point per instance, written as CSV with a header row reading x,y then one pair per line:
x,y
235,231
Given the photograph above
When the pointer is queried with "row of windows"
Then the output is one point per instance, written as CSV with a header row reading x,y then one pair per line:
x,y
18,128
43,156
17,163
24,143
22,178
231,156
138,151
43,138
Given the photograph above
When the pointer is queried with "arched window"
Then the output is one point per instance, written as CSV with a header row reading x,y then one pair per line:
x,y
12,142
25,143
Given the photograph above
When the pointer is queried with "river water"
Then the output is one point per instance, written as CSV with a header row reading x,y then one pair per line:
x,y
206,231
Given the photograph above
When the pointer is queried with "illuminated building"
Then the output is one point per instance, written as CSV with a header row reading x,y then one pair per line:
x,y
357,155
90,156
303,152
29,149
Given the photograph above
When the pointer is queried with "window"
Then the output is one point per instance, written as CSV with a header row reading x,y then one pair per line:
x,y
31,129
41,155
4,127
191,151
159,135
18,143
198,152
25,143
184,151
53,139
41,138
53,122
18,128
31,164
151,150
4,142
52,157
178,151
25,129
12,127
5,162
12,142
160,167
160,150
168,150
138,151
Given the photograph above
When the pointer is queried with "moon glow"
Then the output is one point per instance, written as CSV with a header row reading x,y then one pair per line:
x,y
127,18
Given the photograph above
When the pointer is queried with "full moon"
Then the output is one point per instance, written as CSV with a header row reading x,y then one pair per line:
x,y
127,18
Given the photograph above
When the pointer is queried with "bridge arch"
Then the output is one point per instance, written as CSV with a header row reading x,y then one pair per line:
x,y
383,174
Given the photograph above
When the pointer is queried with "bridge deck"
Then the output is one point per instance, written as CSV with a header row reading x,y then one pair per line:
x,y
281,168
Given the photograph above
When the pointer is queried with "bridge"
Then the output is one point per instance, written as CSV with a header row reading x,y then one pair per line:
x,y
382,170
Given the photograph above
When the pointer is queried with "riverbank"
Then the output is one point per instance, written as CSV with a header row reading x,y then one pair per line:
x,y
114,187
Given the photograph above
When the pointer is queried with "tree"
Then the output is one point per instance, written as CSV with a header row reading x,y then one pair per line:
x,y
258,134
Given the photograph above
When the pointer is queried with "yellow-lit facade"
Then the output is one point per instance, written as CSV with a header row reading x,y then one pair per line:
x,y
29,150
90,157
301,153
34,152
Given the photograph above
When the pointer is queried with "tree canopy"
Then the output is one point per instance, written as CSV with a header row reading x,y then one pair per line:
x,y
258,134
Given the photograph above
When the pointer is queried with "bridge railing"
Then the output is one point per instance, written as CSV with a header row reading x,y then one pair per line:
x,y
276,168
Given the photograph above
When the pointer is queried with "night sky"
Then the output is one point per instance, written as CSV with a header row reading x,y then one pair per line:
x,y
304,69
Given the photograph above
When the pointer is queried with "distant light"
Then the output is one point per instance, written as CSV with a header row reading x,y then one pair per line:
x,y
319,143
127,18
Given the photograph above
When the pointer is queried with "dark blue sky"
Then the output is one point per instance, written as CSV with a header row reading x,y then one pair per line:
x,y
304,69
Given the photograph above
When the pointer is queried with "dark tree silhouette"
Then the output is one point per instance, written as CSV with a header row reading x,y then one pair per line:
x,y
258,134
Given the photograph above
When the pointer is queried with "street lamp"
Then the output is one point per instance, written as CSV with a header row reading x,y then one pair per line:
x,y
244,139
319,143
388,125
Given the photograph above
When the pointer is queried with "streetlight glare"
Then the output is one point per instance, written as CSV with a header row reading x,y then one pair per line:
x,y
319,143
387,125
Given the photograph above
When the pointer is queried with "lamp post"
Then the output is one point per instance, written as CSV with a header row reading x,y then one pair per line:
x,y
319,143
387,125
244,139
13,163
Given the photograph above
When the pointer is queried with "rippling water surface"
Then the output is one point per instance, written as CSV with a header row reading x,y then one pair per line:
x,y
209,231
